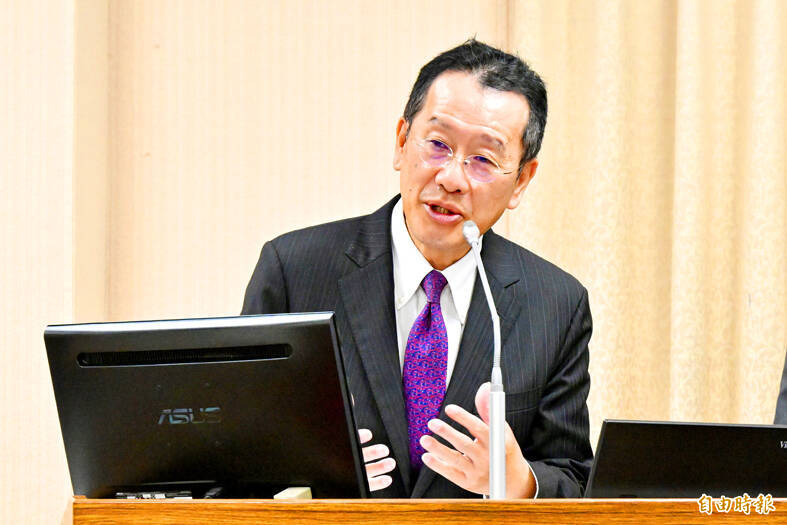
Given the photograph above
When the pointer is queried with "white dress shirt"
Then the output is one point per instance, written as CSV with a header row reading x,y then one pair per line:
x,y
409,269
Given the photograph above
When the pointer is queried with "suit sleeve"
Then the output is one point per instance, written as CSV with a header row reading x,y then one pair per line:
x,y
267,290
781,403
560,455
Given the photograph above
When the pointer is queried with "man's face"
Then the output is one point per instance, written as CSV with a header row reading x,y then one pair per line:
x,y
471,120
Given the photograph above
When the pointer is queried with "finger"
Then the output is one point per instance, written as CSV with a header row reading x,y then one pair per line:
x,y
379,483
365,435
477,428
380,467
447,470
482,401
461,442
373,452
444,454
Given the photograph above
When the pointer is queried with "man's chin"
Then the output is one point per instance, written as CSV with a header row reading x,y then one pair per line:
x,y
445,250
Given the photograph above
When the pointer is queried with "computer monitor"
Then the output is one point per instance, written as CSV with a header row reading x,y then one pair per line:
x,y
251,405
651,459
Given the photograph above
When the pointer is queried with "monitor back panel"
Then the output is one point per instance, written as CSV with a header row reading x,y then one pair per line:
x,y
258,424
641,459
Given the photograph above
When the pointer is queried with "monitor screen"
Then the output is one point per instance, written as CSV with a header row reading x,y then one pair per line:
x,y
247,405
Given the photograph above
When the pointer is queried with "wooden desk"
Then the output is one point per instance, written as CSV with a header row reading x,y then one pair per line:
x,y
409,512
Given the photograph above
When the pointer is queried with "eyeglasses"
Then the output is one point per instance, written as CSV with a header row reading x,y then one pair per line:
x,y
438,154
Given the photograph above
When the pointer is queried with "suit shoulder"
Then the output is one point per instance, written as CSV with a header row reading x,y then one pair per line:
x,y
547,275
319,239
551,269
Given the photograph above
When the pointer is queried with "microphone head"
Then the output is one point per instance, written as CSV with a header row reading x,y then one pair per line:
x,y
471,233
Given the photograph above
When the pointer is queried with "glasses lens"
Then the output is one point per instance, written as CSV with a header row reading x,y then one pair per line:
x,y
435,152
481,168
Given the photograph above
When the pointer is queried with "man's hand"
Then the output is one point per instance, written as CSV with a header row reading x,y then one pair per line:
x,y
377,462
467,464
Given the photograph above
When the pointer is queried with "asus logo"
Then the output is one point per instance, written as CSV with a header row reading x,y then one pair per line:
x,y
183,416
783,444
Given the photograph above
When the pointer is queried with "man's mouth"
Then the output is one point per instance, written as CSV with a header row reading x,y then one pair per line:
x,y
443,215
441,210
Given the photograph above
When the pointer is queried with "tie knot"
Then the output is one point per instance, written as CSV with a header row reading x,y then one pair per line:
x,y
433,285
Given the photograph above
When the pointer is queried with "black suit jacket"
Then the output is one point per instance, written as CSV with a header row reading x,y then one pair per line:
x,y
347,267
781,403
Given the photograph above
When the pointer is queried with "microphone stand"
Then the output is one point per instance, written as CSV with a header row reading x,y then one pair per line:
x,y
497,396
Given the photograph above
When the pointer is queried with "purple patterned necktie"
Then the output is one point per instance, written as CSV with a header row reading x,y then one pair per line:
x,y
424,368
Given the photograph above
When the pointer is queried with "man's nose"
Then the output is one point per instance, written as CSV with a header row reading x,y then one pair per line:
x,y
452,177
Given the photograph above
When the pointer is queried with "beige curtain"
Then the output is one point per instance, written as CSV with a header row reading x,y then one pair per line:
x,y
148,148
36,250
662,186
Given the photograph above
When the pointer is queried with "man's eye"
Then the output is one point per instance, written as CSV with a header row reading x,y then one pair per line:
x,y
483,161
437,146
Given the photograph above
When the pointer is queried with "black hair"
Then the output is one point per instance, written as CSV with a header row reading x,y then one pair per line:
x,y
496,69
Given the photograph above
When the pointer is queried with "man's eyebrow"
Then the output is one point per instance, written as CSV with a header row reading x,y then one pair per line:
x,y
498,144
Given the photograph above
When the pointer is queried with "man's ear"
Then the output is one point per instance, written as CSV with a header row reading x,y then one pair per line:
x,y
401,138
525,176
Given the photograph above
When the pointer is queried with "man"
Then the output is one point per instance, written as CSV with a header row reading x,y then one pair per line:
x,y
781,403
414,326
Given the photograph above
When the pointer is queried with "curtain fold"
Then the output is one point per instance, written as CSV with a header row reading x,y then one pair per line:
x,y
662,186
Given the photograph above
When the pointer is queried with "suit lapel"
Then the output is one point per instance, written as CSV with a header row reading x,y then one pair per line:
x,y
368,295
474,362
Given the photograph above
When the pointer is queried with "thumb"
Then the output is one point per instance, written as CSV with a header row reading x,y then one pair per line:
x,y
482,401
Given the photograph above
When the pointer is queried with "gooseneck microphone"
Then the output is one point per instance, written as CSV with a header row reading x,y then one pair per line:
x,y
497,396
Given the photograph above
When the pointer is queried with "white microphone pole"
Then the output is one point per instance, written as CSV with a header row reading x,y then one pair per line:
x,y
497,396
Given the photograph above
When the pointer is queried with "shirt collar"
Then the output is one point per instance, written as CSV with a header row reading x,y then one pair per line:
x,y
410,268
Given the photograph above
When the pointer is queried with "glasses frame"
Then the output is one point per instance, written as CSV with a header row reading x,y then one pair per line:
x,y
421,144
